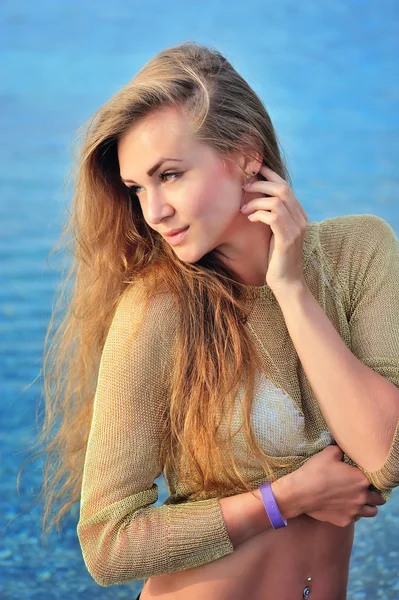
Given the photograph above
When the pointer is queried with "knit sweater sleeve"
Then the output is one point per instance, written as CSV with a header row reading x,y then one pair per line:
x,y
124,537
368,264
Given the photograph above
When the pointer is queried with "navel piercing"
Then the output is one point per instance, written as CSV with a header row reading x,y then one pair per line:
x,y
307,590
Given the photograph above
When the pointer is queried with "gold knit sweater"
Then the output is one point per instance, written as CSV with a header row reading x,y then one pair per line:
x,y
351,265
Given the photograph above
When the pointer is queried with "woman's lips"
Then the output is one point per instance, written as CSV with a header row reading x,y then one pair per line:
x,y
177,237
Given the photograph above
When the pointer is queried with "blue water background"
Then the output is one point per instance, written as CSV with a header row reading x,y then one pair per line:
x,y
328,74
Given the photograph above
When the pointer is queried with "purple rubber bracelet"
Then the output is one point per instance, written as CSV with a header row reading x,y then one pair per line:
x,y
271,507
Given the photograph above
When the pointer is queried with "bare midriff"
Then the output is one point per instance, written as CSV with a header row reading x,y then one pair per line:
x,y
273,564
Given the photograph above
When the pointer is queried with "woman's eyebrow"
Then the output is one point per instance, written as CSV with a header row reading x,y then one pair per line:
x,y
151,171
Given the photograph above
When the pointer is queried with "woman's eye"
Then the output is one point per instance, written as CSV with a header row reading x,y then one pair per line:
x,y
170,174
135,189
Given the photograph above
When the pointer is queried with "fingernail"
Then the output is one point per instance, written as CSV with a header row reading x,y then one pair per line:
x,y
243,207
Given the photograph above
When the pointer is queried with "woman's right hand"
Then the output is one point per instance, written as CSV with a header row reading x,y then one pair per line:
x,y
330,490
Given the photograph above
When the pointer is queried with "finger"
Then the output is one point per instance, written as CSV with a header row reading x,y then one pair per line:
x,y
282,191
368,511
281,221
268,187
375,498
270,203
271,175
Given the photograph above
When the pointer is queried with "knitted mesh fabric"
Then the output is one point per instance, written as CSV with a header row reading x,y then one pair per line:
x,y
351,265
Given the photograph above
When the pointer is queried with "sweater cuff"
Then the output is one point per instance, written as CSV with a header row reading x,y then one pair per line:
x,y
204,537
387,477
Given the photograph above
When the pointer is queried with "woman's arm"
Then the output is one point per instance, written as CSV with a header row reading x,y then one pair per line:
x,y
359,401
324,487
123,536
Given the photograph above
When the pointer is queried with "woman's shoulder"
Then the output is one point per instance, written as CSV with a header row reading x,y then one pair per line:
x,y
352,228
155,309
143,327
346,237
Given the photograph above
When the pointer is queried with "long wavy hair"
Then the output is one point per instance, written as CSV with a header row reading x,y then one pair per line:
x,y
111,247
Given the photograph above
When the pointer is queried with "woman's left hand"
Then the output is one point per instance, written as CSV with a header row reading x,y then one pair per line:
x,y
287,220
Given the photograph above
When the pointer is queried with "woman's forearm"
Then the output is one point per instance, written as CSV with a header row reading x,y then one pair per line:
x,y
360,407
246,516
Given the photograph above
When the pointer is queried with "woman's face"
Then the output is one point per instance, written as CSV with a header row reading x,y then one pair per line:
x,y
192,187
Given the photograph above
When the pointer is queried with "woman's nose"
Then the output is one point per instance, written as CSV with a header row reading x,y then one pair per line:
x,y
157,207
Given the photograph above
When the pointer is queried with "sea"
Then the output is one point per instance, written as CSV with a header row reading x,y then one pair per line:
x,y
327,72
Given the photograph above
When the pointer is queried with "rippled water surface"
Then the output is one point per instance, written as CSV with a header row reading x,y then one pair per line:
x,y
327,72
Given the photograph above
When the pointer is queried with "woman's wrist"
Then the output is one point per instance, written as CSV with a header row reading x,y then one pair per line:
x,y
286,495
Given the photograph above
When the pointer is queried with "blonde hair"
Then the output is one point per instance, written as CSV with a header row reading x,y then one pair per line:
x,y
112,247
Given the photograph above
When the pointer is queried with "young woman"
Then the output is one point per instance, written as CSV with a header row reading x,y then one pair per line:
x,y
214,335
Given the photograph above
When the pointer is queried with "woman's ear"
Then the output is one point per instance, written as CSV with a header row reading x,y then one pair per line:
x,y
247,165
254,164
